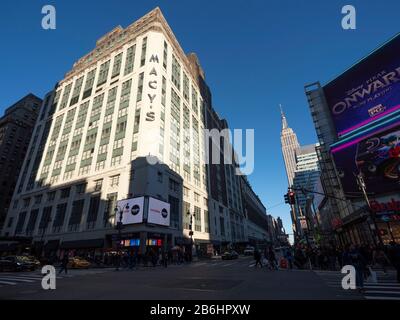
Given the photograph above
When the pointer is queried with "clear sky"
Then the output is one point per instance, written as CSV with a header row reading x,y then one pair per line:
x,y
256,54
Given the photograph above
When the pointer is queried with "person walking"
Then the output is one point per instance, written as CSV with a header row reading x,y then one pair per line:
x,y
272,259
358,261
64,263
289,258
257,257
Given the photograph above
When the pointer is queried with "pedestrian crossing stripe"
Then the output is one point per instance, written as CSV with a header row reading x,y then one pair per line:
x,y
386,287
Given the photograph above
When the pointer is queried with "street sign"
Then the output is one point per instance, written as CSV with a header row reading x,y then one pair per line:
x,y
303,223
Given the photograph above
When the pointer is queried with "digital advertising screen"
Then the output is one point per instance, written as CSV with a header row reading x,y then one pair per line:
x,y
368,91
377,157
159,212
132,210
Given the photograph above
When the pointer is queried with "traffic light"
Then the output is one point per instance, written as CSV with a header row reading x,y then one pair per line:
x,y
287,198
292,199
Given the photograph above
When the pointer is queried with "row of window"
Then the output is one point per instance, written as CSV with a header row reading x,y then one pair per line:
x,y
66,192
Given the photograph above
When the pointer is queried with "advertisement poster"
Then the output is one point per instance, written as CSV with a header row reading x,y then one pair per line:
x,y
132,210
377,157
366,92
159,212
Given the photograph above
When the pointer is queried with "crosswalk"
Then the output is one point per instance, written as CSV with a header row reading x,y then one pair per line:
x,y
386,288
17,278
218,264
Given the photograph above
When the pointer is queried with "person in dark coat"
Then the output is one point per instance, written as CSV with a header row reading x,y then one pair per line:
x,y
257,257
358,261
64,263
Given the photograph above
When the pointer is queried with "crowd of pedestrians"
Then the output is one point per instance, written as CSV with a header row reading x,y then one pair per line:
x,y
364,258
130,259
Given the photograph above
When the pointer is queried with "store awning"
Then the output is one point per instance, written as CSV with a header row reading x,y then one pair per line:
x,y
83,244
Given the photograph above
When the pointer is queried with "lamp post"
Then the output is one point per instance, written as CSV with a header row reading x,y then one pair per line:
x,y
119,210
371,217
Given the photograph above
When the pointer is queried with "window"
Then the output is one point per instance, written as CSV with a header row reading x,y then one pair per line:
x,y
81,188
176,73
143,56
163,91
222,225
76,215
186,215
130,59
77,91
20,222
206,221
140,88
38,199
114,181
103,73
59,217
109,213
93,212
165,55
125,93
173,185
117,65
160,176
197,219
98,184
26,202
64,100
185,87
45,219
32,222
10,222
89,84
196,197
100,165
65,193
116,161
186,192
51,195
174,211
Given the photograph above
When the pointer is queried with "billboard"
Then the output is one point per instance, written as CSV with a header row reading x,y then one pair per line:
x,y
366,92
376,156
133,213
159,212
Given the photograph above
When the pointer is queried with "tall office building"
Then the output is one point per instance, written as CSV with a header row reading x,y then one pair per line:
x,y
306,177
289,145
16,128
136,96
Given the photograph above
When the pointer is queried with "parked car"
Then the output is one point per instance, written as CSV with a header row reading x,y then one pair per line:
x,y
248,251
230,255
16,263
78,263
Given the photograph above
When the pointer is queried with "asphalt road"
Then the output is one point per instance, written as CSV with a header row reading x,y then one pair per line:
x,y
215,279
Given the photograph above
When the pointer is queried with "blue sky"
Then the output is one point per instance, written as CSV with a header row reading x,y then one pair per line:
x,y
256,54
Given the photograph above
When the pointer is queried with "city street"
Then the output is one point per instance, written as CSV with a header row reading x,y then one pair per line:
x,y
211,279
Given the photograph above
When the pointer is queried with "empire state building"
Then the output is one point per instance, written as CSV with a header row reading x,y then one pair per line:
x,y
289,145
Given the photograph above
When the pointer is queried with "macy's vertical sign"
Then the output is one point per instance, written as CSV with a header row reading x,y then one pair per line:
x,y
150,116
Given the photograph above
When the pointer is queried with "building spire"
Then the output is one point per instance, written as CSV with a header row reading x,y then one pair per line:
x,y
283,118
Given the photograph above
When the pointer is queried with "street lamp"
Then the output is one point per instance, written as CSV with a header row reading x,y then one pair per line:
x,y
371,217
119,210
